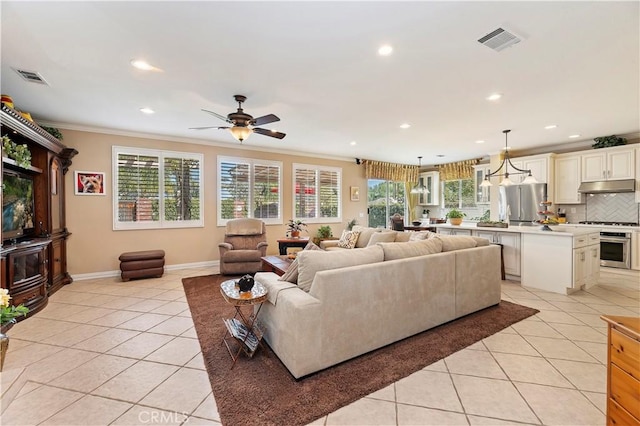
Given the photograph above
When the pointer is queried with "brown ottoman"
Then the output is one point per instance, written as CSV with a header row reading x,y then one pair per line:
x,y
142,264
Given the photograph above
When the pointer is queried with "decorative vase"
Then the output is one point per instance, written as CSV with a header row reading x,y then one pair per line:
x,y
455,220
295,234
246,283
4,346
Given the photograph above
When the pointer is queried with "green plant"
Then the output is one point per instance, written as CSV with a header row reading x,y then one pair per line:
x,y
607,141
295,226
455,213
8,313
20,153
325,232
426,212
53,132
353,222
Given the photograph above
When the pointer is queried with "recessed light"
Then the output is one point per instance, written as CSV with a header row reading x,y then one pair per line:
x,y
143,65
440,155
405,125
385,50
550,126
494,97
352,143
573,136
147,110
479,141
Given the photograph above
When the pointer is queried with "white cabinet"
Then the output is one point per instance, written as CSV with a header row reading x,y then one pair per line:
x,y
482,193
586,261
638,176
451,231
609,164
510,242
432,181
567,179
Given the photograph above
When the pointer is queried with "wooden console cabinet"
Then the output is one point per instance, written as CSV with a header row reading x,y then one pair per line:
x,y
34,266
623,370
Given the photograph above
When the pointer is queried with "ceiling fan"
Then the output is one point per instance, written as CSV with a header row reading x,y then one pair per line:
x,y
242,124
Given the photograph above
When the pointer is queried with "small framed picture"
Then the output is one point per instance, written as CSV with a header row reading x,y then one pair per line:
x,y
90,183
355,193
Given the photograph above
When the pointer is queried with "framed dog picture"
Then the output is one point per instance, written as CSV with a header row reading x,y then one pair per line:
x,y
90,183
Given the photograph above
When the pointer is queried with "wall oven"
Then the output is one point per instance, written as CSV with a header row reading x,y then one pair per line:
x,y
615,249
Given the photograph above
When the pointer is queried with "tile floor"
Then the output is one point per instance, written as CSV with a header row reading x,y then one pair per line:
x,y
110,353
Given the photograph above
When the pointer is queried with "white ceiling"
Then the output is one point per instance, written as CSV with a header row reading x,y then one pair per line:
x,y
315,65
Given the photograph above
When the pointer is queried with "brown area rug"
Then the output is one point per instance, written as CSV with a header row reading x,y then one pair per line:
x,y
261,391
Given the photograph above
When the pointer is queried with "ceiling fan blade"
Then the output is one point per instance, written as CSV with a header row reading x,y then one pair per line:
x,y
265,119
271,133
215,114
207,127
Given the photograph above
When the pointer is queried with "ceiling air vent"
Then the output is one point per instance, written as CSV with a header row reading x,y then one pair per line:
x,y
31,76
499,39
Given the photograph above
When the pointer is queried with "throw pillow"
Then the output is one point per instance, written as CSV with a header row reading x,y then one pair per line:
x,y
348,239
365,235
420,235
382,237
402,237
291,274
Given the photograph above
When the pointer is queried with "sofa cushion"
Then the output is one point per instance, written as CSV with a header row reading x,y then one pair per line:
x,y
348,239
291,275
382,237
394,251
312,261
402,237
420,235
457,242
481,241
365,235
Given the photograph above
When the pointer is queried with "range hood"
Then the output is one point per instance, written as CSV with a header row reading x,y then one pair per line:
x,y
604,186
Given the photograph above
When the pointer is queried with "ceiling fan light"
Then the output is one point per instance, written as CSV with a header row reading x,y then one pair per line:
x,y
240,133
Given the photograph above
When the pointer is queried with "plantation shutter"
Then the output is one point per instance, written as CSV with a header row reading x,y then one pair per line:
x,y
138,188
329,190
181,189
234,194
266,188
305,188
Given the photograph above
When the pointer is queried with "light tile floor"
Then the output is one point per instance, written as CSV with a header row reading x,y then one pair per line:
x,y
105,352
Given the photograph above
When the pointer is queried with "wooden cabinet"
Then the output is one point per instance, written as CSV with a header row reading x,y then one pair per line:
x,y
510,242
27,273
609,164
567,179
623,370
45,246
432,181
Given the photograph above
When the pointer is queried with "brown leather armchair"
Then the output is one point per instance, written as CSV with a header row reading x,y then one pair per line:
x,y
245,242
397,222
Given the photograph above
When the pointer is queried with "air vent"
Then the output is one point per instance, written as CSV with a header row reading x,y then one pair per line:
x,y
31,76
499,39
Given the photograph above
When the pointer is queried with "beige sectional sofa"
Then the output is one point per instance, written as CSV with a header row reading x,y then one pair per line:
x,y
358,301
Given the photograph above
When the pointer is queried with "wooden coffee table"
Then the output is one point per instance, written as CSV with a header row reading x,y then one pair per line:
x,y
277,264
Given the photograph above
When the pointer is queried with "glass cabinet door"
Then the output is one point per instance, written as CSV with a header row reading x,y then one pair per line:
x,y
482,193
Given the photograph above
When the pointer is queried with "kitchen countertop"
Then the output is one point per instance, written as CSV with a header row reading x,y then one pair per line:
x,y
608,228
558,230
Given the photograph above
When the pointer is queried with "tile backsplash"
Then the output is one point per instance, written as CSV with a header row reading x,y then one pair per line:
x,y
620,207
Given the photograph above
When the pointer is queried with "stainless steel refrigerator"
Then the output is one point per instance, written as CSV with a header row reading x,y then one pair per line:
x,y
520,204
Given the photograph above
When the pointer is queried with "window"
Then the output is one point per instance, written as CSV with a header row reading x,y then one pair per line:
x,y
249,188
385,198
317,193
156,189
459,193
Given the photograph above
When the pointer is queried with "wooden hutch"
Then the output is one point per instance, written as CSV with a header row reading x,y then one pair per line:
x,y
34,264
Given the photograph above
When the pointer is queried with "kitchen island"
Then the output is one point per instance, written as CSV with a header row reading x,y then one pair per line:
x,y
563,260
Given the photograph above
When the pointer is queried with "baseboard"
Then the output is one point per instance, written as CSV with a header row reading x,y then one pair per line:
x,y
116,273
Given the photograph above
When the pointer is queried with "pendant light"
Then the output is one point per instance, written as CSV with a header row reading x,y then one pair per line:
x,y
506,163
419,188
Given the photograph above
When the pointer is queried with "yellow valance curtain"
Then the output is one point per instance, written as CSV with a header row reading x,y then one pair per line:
x,y
459,170
390,171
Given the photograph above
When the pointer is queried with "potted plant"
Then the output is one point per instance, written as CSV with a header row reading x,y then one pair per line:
x,y
455,216
323,233
607,141
8,315
294,227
